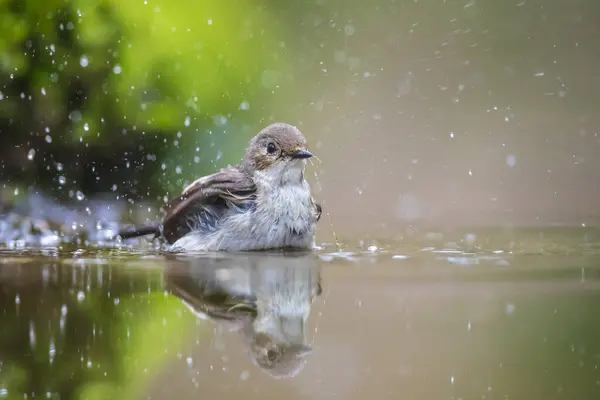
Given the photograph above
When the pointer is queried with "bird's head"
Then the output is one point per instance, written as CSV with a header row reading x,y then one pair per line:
x,y
278,155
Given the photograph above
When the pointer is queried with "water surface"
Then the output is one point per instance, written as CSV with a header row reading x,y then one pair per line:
x,y
476,315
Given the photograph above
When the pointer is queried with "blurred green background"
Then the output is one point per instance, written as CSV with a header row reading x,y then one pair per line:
x,y
86,331
105,96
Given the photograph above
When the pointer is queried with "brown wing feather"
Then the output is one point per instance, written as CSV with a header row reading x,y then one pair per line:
x,y
217,191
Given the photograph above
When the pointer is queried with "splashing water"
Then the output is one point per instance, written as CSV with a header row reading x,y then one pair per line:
x,y
327,213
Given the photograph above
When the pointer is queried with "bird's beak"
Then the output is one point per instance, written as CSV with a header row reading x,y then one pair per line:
x,y
301,154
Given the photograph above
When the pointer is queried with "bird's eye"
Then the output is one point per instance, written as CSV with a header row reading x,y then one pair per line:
x,y
271,148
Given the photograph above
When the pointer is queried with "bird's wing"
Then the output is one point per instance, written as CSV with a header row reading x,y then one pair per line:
x,y
207,199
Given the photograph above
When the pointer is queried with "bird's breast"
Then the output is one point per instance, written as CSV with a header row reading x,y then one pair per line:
x,y
288,203
286,212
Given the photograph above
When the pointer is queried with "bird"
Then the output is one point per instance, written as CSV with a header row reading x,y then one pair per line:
x,y
262,203
264,296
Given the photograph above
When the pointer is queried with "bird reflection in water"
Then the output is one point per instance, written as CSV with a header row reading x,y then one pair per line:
x,y
267,297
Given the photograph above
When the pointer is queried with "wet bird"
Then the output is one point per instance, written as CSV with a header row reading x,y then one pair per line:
x,y
263,203
264,296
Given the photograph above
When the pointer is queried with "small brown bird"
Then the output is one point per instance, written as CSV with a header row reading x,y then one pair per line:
x,y
263,203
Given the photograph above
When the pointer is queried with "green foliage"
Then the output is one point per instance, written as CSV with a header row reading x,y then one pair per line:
x,y
122,76
152,64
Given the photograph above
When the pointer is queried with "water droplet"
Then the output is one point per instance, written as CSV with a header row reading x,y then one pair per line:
x,y
83,61
32,334
43,91
186,122
117,69
178,170
86,127
509,309
80,196
244,106
470,238
80,296
51,351
349,30
62,180
511,160
48,139
31,154
75,116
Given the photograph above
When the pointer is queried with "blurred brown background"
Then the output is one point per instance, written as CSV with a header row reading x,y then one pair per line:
x,y
461,113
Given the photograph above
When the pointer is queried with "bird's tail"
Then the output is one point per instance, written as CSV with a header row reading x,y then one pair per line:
x,y
141,230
